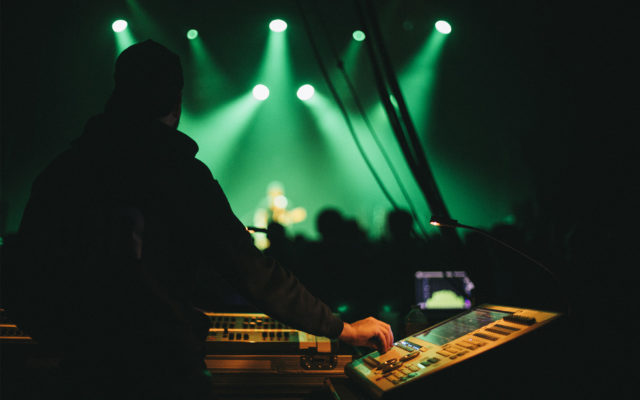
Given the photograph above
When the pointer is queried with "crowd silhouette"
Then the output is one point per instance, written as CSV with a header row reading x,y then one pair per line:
x,y
356,274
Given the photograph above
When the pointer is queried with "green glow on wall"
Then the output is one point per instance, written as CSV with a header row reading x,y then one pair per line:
x,y
342,308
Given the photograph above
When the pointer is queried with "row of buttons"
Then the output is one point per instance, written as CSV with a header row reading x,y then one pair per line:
x,y
248,325
245,336
402,374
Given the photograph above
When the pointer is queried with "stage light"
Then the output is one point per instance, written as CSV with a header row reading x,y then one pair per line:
x,y
192,34
260,92
358,36
280,202
119,25
443,27
342,308
305,92
277,25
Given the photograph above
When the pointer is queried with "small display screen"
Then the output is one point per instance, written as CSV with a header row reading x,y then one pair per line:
x,y
443,290
460,326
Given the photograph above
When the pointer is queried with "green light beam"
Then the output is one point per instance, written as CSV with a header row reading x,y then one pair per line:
x,y
350,57
208,85
145,24
349,162
219,132
418,78
275,67
124,39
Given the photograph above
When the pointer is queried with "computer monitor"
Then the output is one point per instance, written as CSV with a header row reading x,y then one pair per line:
x,y
443,290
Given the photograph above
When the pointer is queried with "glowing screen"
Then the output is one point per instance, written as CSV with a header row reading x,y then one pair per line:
x,y
460,326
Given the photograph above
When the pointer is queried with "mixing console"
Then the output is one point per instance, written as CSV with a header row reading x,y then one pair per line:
x,y
444,345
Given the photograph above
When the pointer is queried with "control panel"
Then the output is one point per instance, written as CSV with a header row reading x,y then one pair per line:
x,y
444,345
256,333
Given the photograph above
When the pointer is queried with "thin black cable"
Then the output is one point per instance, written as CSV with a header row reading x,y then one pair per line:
x,y
367,122
434,197
343,109
415,159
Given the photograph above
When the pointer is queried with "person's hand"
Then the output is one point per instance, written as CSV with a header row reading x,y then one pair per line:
x,y
368,332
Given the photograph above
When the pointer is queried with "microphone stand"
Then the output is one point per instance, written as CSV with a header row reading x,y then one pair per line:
x,y
452,223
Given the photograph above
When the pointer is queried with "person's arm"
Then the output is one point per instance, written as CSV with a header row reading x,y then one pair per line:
x,y
272,288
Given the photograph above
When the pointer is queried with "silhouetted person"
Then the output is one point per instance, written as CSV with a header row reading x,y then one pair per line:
x,y
404,253
112,239
282,248
338,264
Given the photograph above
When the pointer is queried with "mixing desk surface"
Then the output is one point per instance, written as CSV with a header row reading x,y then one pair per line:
x,y
254,333
450,343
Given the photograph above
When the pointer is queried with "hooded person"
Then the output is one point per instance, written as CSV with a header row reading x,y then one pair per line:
x,y
113,236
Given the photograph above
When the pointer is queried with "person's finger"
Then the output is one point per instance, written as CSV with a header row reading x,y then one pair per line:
x,y
386,335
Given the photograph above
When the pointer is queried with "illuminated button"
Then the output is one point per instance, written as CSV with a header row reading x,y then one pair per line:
x,y
434,359
409,356
426,363
511,328
372,362
404,347
485,336
467,346
390,366
498,331
393,380
520,319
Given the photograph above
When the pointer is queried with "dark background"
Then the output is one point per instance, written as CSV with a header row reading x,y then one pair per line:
x,y
543,96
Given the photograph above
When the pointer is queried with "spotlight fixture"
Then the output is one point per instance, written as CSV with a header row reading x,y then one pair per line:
x,y
192,34
119,25
305,92
358,36
278,25
260,92
443,27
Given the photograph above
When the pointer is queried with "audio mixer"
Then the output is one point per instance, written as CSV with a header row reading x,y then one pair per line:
x,y
442,346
